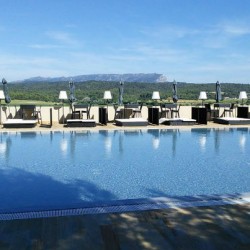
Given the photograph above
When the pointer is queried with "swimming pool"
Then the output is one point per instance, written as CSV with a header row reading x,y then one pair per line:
x,y
58,170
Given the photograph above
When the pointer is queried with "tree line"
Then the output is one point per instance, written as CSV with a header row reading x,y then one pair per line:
x,y
92,91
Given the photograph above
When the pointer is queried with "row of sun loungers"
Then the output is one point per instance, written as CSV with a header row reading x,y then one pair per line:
x,y
29,122
181,121
164,121
24,123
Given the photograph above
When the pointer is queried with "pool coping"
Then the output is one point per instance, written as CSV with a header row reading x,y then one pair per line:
x,y
123,128
111,126
133,205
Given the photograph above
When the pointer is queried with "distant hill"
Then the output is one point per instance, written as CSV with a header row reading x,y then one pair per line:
x,y
147,78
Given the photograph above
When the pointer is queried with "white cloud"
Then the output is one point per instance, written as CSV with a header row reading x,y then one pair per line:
x,y
45,46
128,57
223,34
62,37
20,67
169,32
213,71
7,60
214,41
236,28
215,36
144,52
15,68
191,64
71,26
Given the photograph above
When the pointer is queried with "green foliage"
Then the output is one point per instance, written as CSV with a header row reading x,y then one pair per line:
x,y
93,91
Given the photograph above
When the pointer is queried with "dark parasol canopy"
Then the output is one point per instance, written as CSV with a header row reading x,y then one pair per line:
x,y
72,97
120,100
175,97
218,92
6,91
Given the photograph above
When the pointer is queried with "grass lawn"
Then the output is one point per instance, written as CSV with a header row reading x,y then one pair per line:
x,y
43,103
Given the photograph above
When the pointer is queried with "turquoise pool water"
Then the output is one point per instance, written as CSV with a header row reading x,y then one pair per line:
x,y
68,169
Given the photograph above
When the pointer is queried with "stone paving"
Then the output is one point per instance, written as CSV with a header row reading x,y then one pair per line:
x,y
213,227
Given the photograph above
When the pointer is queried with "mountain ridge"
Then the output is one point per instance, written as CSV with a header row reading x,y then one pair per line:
x,y
139,77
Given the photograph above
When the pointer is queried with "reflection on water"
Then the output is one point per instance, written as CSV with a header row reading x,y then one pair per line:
x,y
202,136
120,142
107,141
242,142
202,141
108,145
5,145
156,142
155,138
28,135
243,132
174,140
75,137
64,146
169,135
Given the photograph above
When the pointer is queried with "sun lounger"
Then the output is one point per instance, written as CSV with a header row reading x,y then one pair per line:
x,y
30,112
232,121
177,121
19,123
131,122
81,123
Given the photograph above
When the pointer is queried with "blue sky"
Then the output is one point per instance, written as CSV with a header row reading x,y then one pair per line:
x,y
187,40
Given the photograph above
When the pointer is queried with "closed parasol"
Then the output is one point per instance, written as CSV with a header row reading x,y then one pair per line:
x,y
120,100
72,97
175,97
218,92
6,91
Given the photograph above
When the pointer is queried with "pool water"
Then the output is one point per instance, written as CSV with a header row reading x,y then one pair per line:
x,y
66,169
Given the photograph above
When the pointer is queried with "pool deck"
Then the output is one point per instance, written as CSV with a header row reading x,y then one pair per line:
x,y
212,226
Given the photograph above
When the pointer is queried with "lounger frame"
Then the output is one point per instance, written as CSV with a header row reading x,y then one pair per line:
x,y
232,121
177,122
131,122
19,123
81,123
